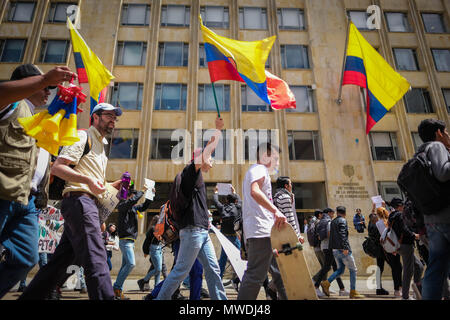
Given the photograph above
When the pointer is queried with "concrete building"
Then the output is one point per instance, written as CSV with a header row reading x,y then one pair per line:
x,y
155,51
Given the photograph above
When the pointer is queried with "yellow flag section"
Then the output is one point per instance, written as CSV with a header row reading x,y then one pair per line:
x,y
366,68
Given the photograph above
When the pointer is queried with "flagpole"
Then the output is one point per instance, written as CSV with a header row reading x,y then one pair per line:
x,y
215,99
339,99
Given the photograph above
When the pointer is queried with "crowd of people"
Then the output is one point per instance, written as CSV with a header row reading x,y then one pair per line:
x,y
246,222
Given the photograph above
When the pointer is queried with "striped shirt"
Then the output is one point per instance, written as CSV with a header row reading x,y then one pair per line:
x,y
283,201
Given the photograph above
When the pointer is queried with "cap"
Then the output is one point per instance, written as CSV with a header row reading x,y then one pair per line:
x,y
395,202
107,107
27,70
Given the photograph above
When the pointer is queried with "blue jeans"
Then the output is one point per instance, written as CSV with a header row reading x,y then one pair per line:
x,y
194,242
42,262
19,235
128,262
223,256
438,267
108,259
156,258
343,261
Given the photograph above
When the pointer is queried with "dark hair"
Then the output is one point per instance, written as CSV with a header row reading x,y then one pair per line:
x,y
109,226
282,181
341,209
317,212
232,198
266,147
98,112
428,127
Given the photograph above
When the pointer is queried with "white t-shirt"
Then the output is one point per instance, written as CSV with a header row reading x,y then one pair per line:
x,y
257,220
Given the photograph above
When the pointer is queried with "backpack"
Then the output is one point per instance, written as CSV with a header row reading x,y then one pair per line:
x,y
417,182
372,248
311,234
322,228
56,184
389,240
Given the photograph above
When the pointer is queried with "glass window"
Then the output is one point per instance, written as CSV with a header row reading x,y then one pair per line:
x,y
434,23
173,54
253,138
417,141
123,144
359,19
389,190
131,53
384,146
162,144
54,51
252,18
309,195
206,101
215,16
446,93
21,11
406,59
397,22
127,95
294,56
304,98
304,145
135,15
251,102
202,56
291,19
418,100
175,16
58,11
12,50
441,59
170,96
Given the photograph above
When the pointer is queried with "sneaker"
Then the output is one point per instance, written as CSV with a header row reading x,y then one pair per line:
x,y
325,287
141,284
355,295
270,294
343,293
226,283
382,292
118,295
236,283
332,291
319,293
397,293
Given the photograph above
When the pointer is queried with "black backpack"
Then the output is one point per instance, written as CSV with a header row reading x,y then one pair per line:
x,y
311,234
322,227
372,248
57,184
417,182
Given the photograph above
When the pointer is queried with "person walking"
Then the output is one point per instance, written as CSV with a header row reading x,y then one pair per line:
x,y
359,221
111,242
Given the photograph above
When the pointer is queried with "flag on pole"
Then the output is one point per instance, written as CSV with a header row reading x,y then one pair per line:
x,y
280,95
89,66
366,68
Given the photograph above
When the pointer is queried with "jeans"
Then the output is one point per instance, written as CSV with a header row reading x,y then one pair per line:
x,y
411,267
108,259
438,267
156,259
19,235
223,256
344,261
128,262
328,264
194,242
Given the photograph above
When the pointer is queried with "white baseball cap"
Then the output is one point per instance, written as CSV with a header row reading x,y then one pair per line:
x,y
107,107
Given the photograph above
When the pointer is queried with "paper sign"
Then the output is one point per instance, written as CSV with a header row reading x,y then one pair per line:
x,y
107,202
51,227
378,201
149,184
224,189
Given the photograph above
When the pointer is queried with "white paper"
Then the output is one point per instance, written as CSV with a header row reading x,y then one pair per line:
x,y
108,202
378,201
149,184
224,189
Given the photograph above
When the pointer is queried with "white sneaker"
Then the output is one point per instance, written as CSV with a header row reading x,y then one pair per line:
x,y
397,293
332,291
344,293
319,293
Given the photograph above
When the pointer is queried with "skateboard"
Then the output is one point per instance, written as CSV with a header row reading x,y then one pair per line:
x,y
288,252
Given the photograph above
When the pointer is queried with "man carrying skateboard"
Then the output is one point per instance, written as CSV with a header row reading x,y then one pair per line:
x,y
259,215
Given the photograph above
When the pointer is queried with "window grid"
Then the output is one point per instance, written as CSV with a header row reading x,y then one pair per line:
x,y
126,15
282,14
314,138
4,46
14,8
167,10
55,11
248,96
120,88
182,54
384,152
411,65
222,91
245,21
418,101
223,23
123,144
398,22
122,46
294,56
45,58
441,59
162,101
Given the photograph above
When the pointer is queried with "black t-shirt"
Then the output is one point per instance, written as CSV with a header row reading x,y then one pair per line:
x,y
193,188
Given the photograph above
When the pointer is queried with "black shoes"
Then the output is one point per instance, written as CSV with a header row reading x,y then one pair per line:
x,y
382,292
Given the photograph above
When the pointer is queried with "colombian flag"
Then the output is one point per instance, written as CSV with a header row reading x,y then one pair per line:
x,y
242,61
366,68
89,67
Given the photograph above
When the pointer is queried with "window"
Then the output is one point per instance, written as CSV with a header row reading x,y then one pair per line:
x,y
291,19
206,101
417,141
58,11
215,16
446,93
304,97
162,144
202,56
397,22
294,57
251,102
173,54
304,145
253,138
223,149
131,53
389,190
252,18
384,146
21,11
170,96
309,195
434,23
406,59
418,100
135,15
54,51
441,59
128,95
123,144
12,50
175,16
359,19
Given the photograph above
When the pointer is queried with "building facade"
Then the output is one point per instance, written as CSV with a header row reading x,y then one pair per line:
x,y
155,51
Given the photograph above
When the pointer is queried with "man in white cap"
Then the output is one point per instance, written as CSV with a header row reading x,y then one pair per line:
x,y
81,243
